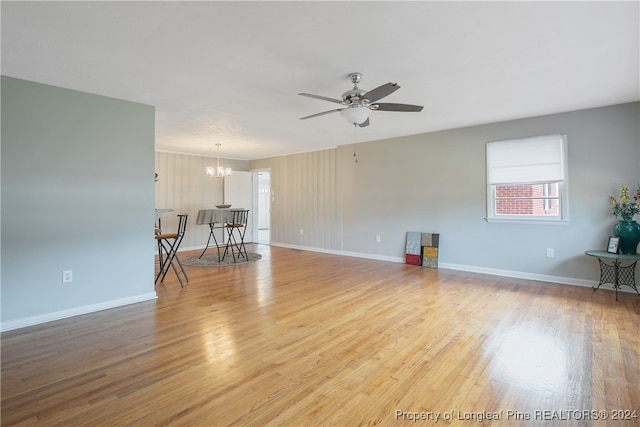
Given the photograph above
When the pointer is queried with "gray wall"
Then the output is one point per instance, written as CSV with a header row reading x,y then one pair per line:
x,y
77,194
436,183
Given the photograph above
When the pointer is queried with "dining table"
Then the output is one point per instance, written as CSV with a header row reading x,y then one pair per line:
x,y
215,219
158,220
160,212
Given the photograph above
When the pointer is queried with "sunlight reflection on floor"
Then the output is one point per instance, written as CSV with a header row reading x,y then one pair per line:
x,y
219,346
531,359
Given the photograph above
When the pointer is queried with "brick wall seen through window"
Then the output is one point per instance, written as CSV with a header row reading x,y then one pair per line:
x,y
527,199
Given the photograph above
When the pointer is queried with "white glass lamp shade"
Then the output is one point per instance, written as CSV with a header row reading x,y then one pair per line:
x,y
217,172
355,114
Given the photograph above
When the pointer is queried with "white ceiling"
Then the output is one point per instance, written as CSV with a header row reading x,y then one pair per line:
x,y
229,72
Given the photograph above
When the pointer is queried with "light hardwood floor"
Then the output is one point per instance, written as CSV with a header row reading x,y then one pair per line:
x,y
302,338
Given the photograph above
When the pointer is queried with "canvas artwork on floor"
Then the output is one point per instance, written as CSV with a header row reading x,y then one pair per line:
x,y
422,249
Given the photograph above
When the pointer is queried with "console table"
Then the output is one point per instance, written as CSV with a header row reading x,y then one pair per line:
x,y
613,272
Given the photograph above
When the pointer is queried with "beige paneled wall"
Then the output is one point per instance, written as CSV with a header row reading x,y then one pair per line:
x,y
183,186
305,197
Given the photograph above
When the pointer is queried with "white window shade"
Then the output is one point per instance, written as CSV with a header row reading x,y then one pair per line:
x,y
531,160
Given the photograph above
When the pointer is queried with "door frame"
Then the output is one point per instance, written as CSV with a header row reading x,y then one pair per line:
x,y
256,203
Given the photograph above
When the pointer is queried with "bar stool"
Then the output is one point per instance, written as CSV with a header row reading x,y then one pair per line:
x,y
239,224
168,245
212,228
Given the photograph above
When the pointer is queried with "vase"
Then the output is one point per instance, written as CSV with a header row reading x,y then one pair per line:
x,y
629,233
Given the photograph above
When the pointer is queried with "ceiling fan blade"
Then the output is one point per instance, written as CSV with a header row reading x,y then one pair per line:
x,y
321,114
381,91
324,98
385,106
365,123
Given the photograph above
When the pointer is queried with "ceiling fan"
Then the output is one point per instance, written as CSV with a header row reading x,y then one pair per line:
x,y
358,103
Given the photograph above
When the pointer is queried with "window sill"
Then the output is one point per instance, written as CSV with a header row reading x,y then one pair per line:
x,y
527,221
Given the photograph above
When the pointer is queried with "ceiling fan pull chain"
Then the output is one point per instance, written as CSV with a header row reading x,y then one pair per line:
x,y
355,141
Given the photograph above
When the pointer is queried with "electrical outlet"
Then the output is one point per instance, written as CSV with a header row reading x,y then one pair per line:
x,y
67,276
550,253
301,231
378,238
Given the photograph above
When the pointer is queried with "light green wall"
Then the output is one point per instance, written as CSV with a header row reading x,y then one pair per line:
x,y
77,194
435,183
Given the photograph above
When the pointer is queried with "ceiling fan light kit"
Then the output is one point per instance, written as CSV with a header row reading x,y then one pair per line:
x,y
359,103
355,114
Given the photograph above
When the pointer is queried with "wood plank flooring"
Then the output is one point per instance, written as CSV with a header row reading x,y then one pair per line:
x,y
302,338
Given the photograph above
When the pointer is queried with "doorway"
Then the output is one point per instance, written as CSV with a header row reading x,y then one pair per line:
x,y
262,204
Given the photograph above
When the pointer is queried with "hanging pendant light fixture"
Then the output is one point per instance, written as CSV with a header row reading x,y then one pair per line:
x,y
218,171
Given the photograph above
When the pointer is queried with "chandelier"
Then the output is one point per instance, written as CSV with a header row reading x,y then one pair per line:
x,y
218,171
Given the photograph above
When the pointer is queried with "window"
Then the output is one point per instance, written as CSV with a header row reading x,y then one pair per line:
x,y
526,180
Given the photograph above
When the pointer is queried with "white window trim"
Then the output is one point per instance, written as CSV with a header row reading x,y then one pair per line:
x,y
530,219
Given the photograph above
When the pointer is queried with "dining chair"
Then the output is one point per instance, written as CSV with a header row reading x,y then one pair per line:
x,y
168,245
235,241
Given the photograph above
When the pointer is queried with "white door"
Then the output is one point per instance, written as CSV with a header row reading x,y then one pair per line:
x,y
237,193
262,206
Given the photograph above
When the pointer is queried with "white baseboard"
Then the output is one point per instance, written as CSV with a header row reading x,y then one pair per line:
x,y
521,275
49,317
462,267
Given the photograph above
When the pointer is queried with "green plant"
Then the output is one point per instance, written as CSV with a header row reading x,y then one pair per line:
x,y
626,208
